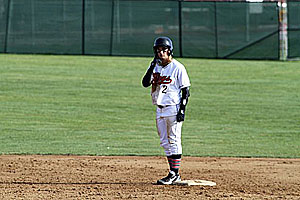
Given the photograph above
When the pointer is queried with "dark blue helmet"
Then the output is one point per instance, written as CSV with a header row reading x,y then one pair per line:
x,y
163,42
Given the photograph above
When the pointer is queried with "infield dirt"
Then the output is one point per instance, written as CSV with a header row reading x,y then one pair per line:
x,y
115,177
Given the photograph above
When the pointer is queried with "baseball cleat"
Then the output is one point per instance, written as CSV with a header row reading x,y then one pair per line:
x,y
170,179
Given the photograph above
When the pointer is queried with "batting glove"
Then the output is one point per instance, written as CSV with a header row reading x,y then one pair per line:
x,y
180,116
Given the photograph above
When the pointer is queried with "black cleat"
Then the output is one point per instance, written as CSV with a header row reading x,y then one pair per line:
x,y
170,179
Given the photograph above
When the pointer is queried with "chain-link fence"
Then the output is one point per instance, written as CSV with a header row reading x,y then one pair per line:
x,y
237,30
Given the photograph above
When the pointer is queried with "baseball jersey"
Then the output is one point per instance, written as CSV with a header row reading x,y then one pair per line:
x,y
167,82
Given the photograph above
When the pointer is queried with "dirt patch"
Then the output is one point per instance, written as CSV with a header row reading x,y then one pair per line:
x,y
97,177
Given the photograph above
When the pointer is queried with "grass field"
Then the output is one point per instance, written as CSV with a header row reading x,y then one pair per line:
x,y
90,105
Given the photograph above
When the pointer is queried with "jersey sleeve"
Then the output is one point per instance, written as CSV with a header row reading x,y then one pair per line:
x,y
183,78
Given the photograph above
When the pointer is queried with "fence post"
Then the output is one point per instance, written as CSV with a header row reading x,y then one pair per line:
x,y
283,33
216,30
83,28
180,28
112,27
7,27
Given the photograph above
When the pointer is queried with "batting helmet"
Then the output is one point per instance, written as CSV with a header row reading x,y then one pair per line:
x,y
163,42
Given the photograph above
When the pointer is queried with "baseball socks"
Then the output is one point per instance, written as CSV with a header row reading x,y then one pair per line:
x,y
173,176
174,163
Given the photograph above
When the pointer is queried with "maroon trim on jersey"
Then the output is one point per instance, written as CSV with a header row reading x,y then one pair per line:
x,y
157,79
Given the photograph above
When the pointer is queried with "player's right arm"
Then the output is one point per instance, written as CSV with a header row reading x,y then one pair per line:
x,y
147,77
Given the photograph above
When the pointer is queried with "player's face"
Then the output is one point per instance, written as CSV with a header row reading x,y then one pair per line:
x,y
162,53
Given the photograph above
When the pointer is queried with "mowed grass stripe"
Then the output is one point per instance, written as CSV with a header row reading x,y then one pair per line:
x,y
94,105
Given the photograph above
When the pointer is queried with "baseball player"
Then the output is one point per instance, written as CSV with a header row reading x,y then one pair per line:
x,y
170,91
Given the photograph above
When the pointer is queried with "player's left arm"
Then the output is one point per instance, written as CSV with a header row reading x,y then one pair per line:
x,y
184,83
185,93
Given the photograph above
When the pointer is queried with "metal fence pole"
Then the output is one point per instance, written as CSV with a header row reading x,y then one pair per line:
x,y
216,31
83,28
7,26
180,26
112,27
283,33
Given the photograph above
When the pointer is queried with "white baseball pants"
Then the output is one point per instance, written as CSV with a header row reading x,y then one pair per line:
x,y
169,131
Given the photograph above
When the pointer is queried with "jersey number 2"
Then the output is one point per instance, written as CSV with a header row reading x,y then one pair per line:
x,y
164,90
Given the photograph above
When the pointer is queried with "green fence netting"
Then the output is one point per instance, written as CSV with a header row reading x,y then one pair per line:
x,y
247,30
198,24
41,26
98,27
237,30
294,29
137,23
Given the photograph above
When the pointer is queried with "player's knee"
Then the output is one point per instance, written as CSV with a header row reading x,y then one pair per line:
x,y
164,144
174,141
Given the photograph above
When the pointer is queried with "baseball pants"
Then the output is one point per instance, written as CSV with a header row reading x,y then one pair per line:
x,y
169,131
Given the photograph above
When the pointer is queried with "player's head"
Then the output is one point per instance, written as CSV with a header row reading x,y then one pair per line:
x,y
164,43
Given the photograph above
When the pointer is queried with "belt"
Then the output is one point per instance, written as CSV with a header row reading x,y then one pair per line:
x,y
161,107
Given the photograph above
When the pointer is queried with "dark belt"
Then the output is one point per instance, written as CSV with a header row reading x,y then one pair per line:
x,y
161,107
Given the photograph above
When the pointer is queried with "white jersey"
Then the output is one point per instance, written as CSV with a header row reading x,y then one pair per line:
x,y
167,83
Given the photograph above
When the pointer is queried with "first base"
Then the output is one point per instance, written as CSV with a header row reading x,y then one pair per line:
x,y
195,182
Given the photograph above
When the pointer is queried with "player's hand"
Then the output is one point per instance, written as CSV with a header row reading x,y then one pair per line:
x,y
180,116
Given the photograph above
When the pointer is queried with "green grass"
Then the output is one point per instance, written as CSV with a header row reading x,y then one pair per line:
x,y
90,105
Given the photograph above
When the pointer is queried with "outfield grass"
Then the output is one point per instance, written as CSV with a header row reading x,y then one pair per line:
x,y
90,105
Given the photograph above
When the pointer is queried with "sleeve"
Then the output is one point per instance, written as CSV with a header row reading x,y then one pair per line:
x,y
183,78
146,82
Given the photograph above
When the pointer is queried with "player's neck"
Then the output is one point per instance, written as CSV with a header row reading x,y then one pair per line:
x,y
167,61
